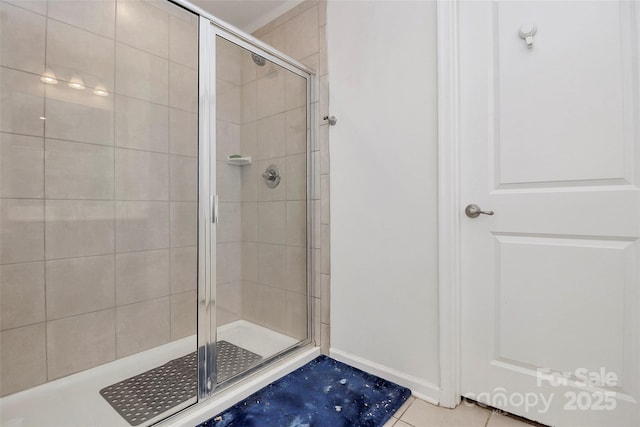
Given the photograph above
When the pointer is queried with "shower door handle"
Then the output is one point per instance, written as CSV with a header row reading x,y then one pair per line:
x,y
214,208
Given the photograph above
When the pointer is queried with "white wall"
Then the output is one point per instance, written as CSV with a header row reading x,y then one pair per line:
x,y
384,297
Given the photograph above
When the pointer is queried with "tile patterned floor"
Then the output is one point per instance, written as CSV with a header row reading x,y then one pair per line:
x,y
418,413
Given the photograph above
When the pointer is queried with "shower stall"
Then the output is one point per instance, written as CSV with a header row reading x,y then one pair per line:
x,y
155,221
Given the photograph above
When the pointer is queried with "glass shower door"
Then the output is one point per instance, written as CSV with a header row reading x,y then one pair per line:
x,y
260,175
98,211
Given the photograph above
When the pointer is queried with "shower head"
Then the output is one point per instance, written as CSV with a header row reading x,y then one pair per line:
x,y
259,60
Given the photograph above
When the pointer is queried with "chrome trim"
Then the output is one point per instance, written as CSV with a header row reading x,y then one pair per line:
x,y
206,330
332,120
241,35
312,81
269,54
272,176
214,208
312,129
263,365
210,28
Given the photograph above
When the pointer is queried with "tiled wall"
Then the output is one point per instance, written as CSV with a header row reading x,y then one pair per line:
x,y
262,231
229,183
98,193
301,33
275,219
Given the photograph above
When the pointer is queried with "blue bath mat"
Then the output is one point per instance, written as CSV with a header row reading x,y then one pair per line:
x,y
322,393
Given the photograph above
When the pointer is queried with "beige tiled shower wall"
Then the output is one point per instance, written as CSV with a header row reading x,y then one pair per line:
x,y
274,132
301,33
98,193
229,184
261,241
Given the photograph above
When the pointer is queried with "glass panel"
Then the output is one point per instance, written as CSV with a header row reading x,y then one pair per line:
x,y
98,187
262,231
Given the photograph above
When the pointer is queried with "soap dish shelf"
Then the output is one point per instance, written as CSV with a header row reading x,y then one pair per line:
x,y
239,161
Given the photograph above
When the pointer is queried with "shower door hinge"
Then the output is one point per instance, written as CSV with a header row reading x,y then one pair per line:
x,y
214,208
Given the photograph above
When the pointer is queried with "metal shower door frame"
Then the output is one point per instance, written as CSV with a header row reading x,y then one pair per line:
x,y
209,30
206,328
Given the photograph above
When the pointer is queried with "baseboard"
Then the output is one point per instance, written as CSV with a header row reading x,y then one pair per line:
x,y
421,389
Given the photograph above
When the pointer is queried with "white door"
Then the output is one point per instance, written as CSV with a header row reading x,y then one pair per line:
x,y
550,142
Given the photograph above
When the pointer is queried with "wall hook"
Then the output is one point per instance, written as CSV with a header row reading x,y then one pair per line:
x,y
527,31
331,119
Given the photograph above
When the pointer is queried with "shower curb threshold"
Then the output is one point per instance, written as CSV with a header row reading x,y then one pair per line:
x,y
234,394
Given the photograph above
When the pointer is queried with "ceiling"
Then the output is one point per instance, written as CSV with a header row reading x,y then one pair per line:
x,y
248,15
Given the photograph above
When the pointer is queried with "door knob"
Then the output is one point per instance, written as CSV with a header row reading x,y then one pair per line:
x,y
474,211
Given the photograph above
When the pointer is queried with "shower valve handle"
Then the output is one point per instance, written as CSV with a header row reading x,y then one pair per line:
x,y
270,175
